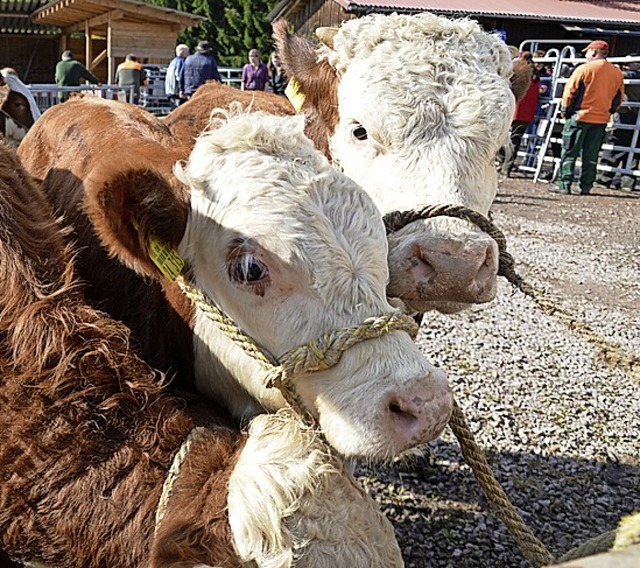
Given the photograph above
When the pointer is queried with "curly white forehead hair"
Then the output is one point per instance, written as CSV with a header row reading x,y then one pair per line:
x,y
243,130
412,39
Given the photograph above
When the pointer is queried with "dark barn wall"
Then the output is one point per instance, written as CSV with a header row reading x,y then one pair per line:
x,y
33,57
521,30
319,13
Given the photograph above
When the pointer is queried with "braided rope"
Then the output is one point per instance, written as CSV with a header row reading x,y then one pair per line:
x,y
174,471
317,355
610,352
533,550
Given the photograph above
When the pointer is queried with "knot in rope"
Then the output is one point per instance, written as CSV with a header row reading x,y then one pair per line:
x,y
326,351
317,355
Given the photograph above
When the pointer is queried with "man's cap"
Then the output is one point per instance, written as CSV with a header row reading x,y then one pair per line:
x,y
597,44
203,47
66,55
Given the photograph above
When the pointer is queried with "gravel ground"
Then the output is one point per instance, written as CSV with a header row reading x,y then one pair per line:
x,y
560,429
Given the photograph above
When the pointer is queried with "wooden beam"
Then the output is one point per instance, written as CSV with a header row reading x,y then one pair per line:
x,y
99,59
88,55
95,22
152,12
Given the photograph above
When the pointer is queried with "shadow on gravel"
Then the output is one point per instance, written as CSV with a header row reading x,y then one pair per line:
x,y
442,518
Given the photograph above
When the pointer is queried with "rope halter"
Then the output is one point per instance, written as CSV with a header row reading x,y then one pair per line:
x,y
317,355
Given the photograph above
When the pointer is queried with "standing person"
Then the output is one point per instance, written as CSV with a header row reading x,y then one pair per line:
x,y
277,76
523,116
594,91
69,71
627,115
255,75
174,79
130,73
200,68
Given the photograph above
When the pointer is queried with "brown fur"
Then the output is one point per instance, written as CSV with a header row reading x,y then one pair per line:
x,y
521,79
187,121
107,164
87,433
317,79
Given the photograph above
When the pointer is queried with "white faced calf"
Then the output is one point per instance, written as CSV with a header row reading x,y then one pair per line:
x,y
414,109
289,248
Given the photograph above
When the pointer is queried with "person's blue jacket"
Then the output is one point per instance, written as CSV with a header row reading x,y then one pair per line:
x,y
199,68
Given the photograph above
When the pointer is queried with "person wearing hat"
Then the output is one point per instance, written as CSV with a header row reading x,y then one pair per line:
x,y
199,68
70,71
592,94
130,73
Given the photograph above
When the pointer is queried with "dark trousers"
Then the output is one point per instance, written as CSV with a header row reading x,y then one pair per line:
x,y
618,158
580,139
506,158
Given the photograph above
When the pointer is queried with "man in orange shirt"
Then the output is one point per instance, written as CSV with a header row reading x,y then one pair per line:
x,y
594,92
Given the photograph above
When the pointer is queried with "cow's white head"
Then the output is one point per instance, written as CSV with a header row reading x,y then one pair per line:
x,y
415,108
291,249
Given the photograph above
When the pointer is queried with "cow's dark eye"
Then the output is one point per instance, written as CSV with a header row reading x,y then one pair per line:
x,y
248,269
359,132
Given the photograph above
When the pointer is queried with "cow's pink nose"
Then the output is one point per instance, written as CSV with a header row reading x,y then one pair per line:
x,y
457,272
419,416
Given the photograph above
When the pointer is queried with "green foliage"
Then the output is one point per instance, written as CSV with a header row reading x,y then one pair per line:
x,y
233,27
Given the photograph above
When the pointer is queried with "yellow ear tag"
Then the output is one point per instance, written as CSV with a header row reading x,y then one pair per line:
x,y
166,258
294,94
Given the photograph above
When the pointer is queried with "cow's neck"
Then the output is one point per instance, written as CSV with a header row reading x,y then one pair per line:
x,y
225,373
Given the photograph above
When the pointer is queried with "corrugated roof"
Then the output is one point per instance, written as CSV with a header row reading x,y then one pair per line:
x,y
609,11
15,18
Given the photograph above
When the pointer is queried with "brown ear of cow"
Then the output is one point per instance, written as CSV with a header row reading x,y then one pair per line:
x,y
317,81
521,78
128,208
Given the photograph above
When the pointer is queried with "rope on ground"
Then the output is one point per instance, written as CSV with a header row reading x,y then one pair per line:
x,y
609,352
532,549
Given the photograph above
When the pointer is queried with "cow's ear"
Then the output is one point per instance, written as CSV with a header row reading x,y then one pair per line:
x,y
521,78
131,207
315,80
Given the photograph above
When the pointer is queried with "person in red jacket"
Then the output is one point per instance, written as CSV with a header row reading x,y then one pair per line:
x,y
523,116
592,94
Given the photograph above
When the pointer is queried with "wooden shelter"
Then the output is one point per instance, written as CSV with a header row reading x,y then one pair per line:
x,y
110,29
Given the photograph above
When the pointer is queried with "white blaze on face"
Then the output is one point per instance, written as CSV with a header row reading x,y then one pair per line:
x,y
292,250
421,120
424,105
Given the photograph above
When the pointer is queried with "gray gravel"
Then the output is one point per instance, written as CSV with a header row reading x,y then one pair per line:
x,y
560,429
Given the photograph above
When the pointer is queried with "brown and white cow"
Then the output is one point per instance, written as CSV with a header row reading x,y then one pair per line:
x,y
414,109
18,108
189,120
287,246
101,467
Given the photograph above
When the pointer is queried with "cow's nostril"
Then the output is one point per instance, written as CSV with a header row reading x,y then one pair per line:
x,y
404,413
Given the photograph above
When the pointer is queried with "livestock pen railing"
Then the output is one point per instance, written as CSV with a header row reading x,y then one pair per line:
x,y
152,96
539,155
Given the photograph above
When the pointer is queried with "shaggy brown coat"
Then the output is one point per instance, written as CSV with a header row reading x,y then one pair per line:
x,y
87,434
126,158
